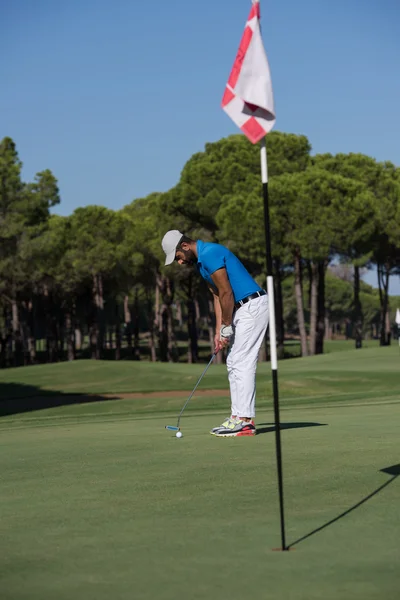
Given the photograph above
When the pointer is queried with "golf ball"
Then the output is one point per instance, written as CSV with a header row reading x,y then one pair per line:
x,y
179,434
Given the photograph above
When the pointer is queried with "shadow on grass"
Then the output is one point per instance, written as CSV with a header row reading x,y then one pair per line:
x,y
394,471
269,427
16,398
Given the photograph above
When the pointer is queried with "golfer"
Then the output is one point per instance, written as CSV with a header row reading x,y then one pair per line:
x,y
241,310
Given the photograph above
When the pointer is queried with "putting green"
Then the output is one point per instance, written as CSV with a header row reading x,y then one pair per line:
x,y
111,505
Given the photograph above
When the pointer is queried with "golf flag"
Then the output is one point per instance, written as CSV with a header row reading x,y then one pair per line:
x,y
248,97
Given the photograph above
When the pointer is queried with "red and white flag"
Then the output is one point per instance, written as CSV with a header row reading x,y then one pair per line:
x,y
248,97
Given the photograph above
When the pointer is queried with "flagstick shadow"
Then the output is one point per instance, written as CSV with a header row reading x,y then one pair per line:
x,y
269,427
394,471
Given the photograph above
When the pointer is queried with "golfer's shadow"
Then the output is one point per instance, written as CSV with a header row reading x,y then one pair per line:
x,y
394,471
269,427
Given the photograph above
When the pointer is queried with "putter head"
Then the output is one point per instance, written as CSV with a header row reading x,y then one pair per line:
x,y
171,428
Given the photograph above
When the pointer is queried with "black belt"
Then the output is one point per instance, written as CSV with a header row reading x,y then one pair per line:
x,y
248,298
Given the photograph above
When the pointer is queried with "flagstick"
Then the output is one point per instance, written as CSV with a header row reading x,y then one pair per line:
x,y
272,335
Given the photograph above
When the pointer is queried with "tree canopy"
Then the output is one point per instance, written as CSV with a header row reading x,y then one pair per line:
x,y
100,272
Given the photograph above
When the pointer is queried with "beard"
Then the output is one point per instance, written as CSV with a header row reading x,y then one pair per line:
x,y
189,257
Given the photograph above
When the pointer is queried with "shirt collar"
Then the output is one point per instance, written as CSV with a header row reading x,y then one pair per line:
x,y
199,248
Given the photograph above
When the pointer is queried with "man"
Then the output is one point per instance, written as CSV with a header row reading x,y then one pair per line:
x,y
241,310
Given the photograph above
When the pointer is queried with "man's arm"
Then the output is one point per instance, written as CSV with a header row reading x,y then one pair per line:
x,y
225,296
217,309
218,341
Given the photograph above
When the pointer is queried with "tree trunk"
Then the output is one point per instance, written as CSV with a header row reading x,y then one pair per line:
x,y
53,341
179,316
3,344
110,338
153,313
280,324
51,338
328,328
163,332
197,309
165,326
94,324
173,355
31,331
23,329
193,347
383,282
69,331
357,314
101,316
199,319
7,344
262,353
191,324
18,346
157,306
78,339
136,337
93,335
172,350
97,329
313,308
319,342
158,322
117,333
310,278
15,316
128,324
61,337
3,341
298,288
388,328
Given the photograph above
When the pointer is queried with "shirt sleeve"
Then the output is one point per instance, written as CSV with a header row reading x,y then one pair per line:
x,y
213,259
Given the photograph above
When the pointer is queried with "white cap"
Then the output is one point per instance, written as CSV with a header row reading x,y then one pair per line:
x,y
169,243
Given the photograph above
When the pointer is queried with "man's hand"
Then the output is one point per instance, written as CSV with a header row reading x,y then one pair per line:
x,y
220,344
217,343
223,303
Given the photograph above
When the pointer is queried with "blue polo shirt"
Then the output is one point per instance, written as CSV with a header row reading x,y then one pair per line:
x,y
212,257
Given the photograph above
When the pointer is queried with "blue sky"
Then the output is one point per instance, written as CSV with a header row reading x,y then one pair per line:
x,y
114,97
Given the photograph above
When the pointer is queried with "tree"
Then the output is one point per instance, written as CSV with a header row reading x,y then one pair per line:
x,y
326,209
240,217
386,252
11,227
378,240
24,211
56,286
284,194
152,215
96,233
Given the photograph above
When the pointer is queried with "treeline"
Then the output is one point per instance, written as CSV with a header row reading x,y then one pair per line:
x,y
96,279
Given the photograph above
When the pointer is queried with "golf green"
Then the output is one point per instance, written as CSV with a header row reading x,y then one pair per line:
x,y
99,501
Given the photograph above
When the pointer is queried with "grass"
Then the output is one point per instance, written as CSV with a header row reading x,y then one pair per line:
x,y
99,501
292,349
355,374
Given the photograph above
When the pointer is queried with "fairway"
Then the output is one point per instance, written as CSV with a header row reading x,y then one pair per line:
x,y
100,501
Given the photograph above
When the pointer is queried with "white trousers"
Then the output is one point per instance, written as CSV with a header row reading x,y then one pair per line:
x,y
250,323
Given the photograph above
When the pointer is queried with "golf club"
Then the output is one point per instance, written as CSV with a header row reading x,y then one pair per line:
x,y
171,427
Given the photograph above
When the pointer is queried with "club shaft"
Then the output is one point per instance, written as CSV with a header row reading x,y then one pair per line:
x,y
195,388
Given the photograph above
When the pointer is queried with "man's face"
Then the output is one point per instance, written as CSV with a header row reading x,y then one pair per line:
x,y
185,256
